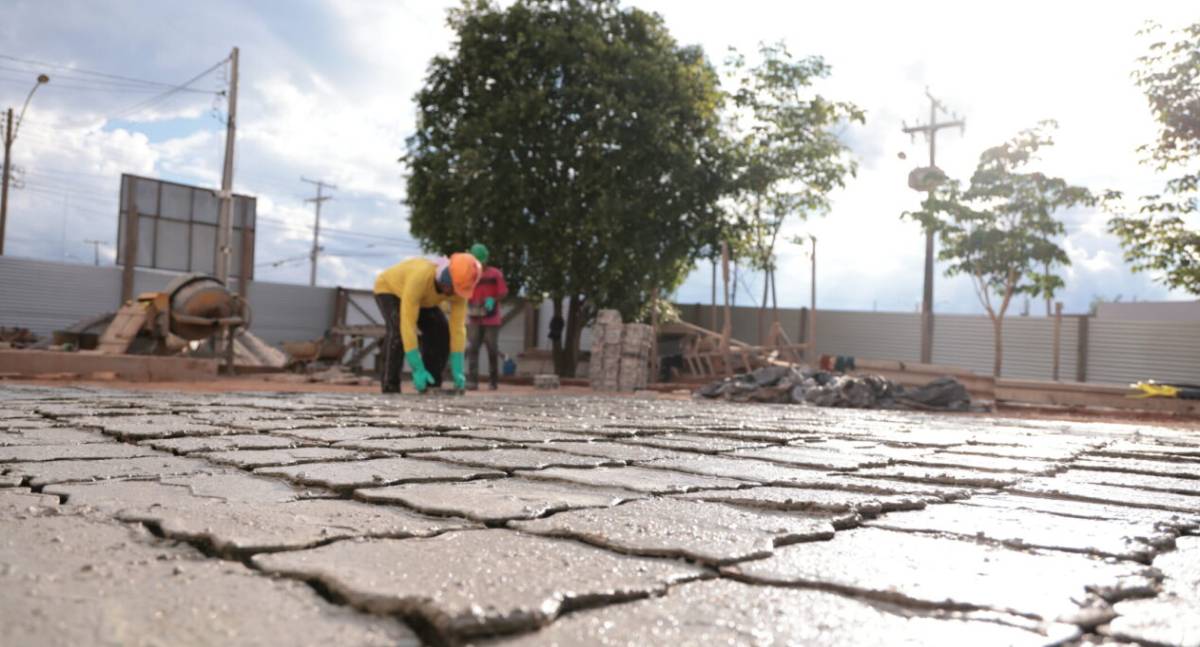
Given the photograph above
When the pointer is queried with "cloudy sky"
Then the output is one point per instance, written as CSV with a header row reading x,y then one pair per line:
x,y
326,93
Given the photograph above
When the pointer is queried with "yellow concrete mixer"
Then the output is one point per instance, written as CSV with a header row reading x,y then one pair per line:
x,y
192,308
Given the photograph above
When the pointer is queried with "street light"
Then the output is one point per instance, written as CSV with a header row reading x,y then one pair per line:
x,y
10,136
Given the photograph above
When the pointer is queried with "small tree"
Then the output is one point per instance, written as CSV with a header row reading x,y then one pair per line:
x,y
1163,235
787,153
1000,231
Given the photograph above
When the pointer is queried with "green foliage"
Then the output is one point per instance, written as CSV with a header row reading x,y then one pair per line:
x,y
579,141
787,155
1162,235
1000,230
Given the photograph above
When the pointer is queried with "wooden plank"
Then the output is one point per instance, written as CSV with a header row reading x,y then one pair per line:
x,y
123,329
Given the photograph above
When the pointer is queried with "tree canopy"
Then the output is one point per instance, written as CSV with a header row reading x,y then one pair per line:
x,y
1164,234
579,141
1000,231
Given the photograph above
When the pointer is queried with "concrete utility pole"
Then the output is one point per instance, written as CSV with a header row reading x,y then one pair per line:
x,y
930,131
225,219
316,246
96,249
10,136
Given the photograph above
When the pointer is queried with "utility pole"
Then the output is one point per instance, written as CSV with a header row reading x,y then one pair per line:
x,y
225,219
10,136
930,131
96,249
316,246
813,358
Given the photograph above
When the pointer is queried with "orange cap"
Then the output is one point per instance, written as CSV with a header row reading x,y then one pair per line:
x,y
464,273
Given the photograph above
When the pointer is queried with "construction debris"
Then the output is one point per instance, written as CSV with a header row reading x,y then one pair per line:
x,y
17,337
250,350
794,385
620,359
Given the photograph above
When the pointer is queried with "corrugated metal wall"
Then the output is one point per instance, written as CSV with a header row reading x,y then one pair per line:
x,y
967,341
1128,351
45,296
877,335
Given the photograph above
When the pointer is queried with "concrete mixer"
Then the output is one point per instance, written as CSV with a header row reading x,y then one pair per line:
x,y
193,307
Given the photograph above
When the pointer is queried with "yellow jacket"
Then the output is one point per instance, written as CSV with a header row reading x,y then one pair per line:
x,y
413,280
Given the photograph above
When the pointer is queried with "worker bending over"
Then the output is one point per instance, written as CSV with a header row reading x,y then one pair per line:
x,y
485,317
410,295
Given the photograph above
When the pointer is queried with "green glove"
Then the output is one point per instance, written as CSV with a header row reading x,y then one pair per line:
x,y
421,377
456,370
489,304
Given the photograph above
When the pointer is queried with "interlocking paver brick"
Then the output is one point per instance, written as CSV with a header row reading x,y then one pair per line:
x,y
723,612
477,581
1112,494
813,500
340,434
16,500
376,472
158,426
695,443
251,458
1180,522
234,487
943,475
713,533
616,451
638,479
1173,617
524,436
194,444
1136,481
417,444
520,458
495,500
75,581
985,463
23,437
37,453
803,456
1120,539
39,474
910,567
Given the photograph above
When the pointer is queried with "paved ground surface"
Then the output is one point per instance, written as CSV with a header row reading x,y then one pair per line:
x,y
171,518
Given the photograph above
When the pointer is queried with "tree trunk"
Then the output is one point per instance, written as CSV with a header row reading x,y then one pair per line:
x,y
997,327
556,349
574,328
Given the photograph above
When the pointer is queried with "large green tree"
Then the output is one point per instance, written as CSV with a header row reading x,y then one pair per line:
x,y
1163,235
1000,230
787,154
580,142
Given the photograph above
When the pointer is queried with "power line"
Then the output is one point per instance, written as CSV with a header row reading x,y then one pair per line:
x,y
69,68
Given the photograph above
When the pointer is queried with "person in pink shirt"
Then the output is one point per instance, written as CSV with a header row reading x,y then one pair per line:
x,y
485,318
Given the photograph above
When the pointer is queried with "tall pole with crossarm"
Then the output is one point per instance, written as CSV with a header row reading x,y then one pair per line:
x,y
930,131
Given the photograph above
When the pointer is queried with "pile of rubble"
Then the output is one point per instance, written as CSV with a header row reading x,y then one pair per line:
x,y
620,358
794,385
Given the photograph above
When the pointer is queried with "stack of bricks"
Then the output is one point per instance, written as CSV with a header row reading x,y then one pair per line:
x,y
620,353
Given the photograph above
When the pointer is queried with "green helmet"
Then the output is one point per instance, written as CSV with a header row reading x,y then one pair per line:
x,y
480,252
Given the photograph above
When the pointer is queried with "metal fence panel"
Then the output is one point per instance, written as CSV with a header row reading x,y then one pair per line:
x,y
967,341
874,335
1122,352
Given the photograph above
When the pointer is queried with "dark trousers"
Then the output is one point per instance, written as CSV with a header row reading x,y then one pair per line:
x,y
433,340
489,335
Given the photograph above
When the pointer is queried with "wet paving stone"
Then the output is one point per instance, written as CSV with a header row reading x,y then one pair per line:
x,y
1177,521
520,459
711,533
747,469
802,456
195,444
945,573
39,474
74,581
340,434
638,479
37,453
18,500
617,451
810,500
252,458
942,475
524,436
986,463
724,612
1109,494
376,472
233,487
1056,454
1136,481
144,427
477,582
496,500
21,424
1172,617
1023,528
26,437
695,443
417,444
1177,469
